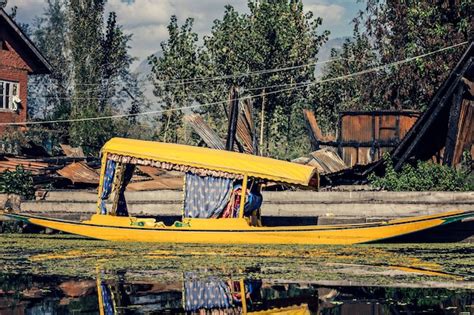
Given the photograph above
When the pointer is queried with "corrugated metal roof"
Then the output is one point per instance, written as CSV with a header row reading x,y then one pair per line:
x,y
326,161
28,165
80,173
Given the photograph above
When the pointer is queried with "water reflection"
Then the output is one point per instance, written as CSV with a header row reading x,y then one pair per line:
x,y
195,293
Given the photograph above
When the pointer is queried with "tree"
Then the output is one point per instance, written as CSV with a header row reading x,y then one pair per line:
x,y
91,75
171,72
49,95
275,34
94,57
400,31
351,93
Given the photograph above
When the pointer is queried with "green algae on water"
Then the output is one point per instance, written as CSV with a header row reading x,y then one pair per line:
x,y
394,264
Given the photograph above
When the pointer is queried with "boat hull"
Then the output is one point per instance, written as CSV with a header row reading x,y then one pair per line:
x,y
219,234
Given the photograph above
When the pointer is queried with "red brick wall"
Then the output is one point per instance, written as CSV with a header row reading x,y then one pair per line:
x,y
13,68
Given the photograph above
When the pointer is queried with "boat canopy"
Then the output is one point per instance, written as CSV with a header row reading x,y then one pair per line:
x,y
208,162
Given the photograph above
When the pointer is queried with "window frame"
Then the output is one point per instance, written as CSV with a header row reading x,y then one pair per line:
x,y
6,100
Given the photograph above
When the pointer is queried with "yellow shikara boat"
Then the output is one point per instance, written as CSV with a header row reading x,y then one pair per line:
x,y
215,210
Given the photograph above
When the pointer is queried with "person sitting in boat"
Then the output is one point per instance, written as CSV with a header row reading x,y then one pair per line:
x,y
253,201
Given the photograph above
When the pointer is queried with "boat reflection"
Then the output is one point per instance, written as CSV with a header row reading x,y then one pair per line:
x,y
198,294
204,293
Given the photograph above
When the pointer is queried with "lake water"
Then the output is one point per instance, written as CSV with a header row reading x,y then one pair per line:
x,y
190,294
61,274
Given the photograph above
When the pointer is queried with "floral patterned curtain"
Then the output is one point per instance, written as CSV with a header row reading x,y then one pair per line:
x,y
206,196
108,304
206,294
107,185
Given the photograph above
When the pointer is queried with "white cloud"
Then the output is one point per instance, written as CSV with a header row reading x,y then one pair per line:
x,y
142,12
27,9
332,14
146,20
146,40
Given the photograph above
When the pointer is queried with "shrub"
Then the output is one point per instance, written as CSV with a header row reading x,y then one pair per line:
x,y
425,176
18,182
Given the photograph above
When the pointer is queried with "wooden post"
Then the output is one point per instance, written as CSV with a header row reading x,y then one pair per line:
x,y
312,127
242,196
118,177
243,296
453,127
233,117
99,293
262,121
165,137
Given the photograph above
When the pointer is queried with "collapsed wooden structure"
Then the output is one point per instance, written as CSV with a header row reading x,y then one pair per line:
x,y
362,136
446,128
444,133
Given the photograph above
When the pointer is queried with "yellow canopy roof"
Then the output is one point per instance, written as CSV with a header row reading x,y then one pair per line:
x,y
217,160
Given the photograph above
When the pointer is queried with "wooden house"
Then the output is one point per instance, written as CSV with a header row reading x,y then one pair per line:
x,y
19,58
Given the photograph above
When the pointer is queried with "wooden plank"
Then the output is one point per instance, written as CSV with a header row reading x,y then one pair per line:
x,y
80,173
453,124
246,129
312,128
465,137
233,118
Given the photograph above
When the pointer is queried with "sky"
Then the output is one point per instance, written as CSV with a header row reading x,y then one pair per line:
x,y
147,19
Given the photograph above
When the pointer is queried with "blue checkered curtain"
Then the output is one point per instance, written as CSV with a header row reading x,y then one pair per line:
x,y
107,185
122,209
206,197
207,293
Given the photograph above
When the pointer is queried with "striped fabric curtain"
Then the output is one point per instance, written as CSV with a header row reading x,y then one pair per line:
x,y
206,196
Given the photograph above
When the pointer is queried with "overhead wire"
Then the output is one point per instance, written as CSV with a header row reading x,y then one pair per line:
x,y
295,86
230,76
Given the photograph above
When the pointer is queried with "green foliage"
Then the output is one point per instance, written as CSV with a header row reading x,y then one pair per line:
x,y
386,32
98,54
91,74
177,64
426,176
275,34
18,182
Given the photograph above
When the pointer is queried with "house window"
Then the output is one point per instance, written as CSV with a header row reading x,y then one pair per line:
x,y
9,95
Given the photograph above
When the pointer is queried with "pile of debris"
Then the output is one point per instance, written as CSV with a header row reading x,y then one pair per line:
x,y
441,134
75,170
60,171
